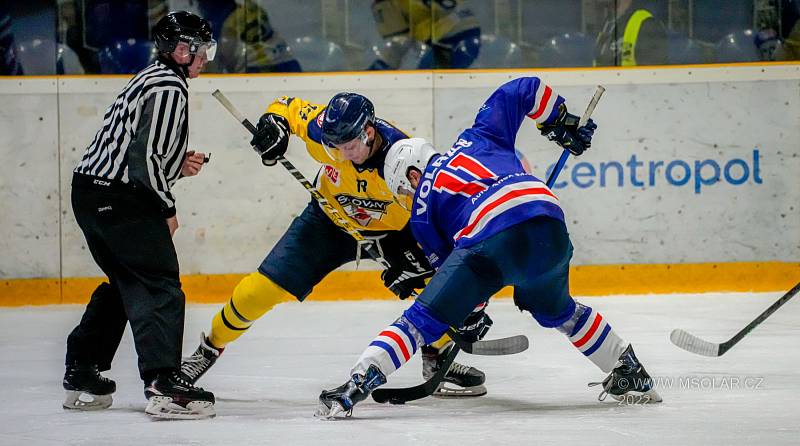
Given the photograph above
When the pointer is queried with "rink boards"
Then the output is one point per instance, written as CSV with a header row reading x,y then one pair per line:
x,y
691,184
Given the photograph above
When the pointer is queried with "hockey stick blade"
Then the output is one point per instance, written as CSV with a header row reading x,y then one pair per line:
x,y
692,343
492,347
406,394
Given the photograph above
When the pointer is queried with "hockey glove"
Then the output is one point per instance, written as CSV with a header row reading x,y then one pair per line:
x,y
404,281
408,266
565,132
271,138
476,325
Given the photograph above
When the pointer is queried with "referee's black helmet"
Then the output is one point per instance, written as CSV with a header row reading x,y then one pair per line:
x,y
184,26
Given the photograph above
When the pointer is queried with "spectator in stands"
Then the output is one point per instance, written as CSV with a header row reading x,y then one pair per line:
x,y
448,26
249,43
633,35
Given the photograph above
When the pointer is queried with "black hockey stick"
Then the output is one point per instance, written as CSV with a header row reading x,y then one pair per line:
x,y
692,343
494,347
403,395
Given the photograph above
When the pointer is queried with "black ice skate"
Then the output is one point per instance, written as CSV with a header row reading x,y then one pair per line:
x,y
468,379
170,396
340,401
86,388
629,381
193,367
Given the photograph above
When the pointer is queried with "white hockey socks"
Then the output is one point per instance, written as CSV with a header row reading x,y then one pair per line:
x,y
392,348
593,336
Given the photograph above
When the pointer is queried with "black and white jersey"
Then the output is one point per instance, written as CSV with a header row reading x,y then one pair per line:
x,y
144,135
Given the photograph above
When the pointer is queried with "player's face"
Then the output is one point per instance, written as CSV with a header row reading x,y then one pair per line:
x,y
405,196
358,150
198,65
414,176
182,56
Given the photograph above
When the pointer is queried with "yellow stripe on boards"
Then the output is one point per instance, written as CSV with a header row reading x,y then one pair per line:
x,y
588,280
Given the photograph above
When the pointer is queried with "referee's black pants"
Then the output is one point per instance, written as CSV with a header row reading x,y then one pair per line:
x,y
130,241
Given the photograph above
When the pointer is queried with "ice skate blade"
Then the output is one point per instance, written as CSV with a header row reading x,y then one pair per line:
x,y
336,410
633,397
162,408
459,392
78,400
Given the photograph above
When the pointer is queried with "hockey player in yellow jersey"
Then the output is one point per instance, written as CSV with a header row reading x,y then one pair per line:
x,y
249,43
350,143
448,26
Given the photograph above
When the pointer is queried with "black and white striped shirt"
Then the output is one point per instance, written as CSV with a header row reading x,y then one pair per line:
x,y
144,135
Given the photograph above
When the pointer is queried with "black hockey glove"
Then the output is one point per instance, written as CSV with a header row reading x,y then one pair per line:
x,y
408,266
404,281
566,133
271,138
476,325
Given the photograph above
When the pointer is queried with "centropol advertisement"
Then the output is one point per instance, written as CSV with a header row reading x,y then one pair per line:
x,y
678,172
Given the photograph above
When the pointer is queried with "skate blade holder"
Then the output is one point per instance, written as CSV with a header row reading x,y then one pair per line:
x,y
162,408
79,400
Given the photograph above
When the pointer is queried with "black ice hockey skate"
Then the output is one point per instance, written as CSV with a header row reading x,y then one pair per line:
x,y
86,388
193,367
170,396
629,381
340,401
468,379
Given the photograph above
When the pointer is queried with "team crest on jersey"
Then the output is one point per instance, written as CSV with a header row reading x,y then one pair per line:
x,y
363,210
320,118
332,173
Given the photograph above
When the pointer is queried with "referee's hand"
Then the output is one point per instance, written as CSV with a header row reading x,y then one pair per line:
x,y
172,224
193,163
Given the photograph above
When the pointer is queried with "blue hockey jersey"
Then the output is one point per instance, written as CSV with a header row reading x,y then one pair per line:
x,y
479,187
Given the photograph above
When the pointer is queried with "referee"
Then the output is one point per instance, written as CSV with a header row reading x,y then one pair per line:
x,y
123,203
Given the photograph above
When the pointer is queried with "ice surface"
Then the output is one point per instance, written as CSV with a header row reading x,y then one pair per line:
x,y
267,382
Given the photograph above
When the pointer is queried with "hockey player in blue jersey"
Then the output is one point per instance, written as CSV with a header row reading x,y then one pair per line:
x,y
484,223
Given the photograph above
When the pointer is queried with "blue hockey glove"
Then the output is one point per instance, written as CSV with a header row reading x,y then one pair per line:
x,y
566,133
271,138
476,325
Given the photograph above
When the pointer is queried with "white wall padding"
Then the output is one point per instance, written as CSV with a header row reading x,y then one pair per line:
x,y
688,164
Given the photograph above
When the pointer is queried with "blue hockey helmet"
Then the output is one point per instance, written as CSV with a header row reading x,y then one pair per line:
x,y
346,118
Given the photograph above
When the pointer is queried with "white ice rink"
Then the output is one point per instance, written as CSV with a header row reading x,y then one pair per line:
x,y
267,382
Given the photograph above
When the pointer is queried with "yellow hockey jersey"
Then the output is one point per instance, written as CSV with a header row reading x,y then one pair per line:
x,y
359,192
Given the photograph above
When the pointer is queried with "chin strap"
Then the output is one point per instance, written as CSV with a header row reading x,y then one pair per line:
x,y
169,61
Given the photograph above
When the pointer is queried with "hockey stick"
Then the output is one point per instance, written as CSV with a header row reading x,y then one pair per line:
x,y
403,395
692,343
551,180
